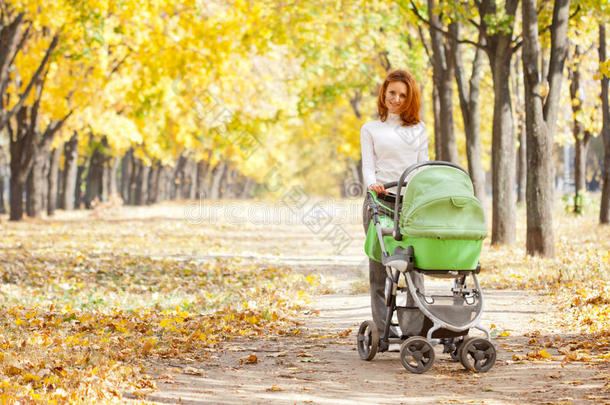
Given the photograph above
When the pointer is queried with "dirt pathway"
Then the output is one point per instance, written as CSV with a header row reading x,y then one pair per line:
x,y
321,365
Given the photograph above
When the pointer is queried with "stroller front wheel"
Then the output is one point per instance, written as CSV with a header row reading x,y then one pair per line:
x,y
368,340
416,354
477,354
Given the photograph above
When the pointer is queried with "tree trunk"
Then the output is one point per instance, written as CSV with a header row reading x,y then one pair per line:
x,y
520,114
45,182
502,153
436,105
540,123
29,191
78,192
522,166
2,205
22,149
60,185
153,183
247,189
52,181
469,103
136,167
35,185
539,143
188,185
2,180
499,49
126,172
443,78
95,178
16,197
581,136
105,179
217,176
70,173
580,165
202,174
178,178
164,183
141,194
113,189
604,209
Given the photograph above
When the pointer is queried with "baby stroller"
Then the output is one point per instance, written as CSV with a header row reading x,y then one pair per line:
x,y
435,229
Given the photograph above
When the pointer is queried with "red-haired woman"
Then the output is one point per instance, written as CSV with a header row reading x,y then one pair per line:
x,y
389,145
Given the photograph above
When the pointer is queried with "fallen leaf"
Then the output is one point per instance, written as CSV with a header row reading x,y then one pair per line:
x,y
251,359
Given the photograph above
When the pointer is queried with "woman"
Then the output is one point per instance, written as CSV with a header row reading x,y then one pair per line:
x,y
389,145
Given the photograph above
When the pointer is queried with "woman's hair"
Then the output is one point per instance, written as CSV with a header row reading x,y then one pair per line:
x,y
410,110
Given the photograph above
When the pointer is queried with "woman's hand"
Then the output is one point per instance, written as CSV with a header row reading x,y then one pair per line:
x,y
377,187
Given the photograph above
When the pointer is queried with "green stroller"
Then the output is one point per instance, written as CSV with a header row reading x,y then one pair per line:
x,y
435,229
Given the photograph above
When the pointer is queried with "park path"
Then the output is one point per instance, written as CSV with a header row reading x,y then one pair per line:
x,y
321,365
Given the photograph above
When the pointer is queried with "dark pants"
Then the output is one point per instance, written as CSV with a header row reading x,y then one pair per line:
x,y
377,276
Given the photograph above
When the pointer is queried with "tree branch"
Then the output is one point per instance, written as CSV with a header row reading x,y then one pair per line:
x,y
21,43
52,128
424,43
517,46
548,27
9,40
33,79
445,33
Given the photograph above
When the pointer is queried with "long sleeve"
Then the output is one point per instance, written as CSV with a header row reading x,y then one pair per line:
x,y
368,157
422,150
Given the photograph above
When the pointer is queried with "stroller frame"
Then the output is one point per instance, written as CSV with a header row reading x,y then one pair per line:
x,y
417,352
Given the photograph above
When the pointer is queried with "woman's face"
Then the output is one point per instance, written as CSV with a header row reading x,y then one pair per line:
x,y
395,96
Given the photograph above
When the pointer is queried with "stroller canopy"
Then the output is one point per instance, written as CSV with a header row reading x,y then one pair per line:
x,y
439,203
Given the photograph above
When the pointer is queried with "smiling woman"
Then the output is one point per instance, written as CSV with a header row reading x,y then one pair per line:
x,y
389,145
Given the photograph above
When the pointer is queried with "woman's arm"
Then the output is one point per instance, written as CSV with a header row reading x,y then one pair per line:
x,y
368,157
422,150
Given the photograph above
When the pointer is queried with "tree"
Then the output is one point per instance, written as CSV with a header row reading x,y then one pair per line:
x,y
469,105
15,30
495,27
582,133
604,212
500,47
443,72
27,143
540,121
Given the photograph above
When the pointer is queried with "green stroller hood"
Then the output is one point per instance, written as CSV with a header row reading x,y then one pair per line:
x,y
439,203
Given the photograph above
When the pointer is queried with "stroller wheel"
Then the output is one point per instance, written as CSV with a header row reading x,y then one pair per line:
x,y
416,354
368,340
477,354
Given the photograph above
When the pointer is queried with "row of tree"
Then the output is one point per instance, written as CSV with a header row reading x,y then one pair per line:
x,y
159,101
543,73
101,177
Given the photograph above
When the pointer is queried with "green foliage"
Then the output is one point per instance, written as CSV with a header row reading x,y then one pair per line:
x,y
578,203
499,23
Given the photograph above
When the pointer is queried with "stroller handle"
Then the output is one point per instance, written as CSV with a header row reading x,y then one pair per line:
x,y
400,182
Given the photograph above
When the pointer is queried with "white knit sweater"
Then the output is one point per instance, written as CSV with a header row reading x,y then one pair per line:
x,y
389,148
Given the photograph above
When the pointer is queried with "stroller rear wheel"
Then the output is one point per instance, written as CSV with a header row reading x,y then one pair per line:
x,y
477,354
417,355
368,340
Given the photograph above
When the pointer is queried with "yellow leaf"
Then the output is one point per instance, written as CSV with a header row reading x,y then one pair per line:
x,y
31,377
543,353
